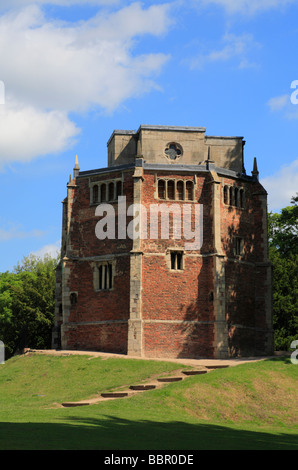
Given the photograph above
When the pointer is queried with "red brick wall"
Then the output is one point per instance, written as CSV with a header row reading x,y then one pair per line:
x,y
83,238
245,281
177,306
178,340
102,337
93,306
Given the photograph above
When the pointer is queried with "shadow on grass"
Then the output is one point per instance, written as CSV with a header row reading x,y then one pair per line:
x,y
112,433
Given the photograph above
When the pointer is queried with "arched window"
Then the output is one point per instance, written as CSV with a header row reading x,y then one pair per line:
x,y
171,189
226,196
231,196
111,192
119,188
95,193
73,298
189,190
161,189
234,196
236,193
180,190
103,193
175,190
242,198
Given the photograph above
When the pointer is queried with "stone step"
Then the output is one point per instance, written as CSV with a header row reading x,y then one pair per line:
x,y
142,387
194,372
217,367
170,379
114,394
73,404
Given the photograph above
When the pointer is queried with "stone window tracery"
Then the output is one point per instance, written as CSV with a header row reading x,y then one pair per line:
x,y
173,151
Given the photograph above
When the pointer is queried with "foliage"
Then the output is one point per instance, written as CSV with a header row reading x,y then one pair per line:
x,y
283,229
283,252
27,302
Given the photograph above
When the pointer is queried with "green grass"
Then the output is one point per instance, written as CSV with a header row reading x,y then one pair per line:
x,y
251,406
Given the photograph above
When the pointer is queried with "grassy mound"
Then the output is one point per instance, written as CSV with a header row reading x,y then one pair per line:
x,y
250,406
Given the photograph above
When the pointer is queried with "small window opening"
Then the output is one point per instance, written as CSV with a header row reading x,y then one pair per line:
x,y
226,198
176,260
73,298
180,190
111,192
231,196
189,190
161,189
95,193
236,197
239,246
241,198
119,188
103,193
171,190
105,276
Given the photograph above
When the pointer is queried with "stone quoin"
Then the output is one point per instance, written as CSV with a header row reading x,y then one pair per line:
x,y
162,296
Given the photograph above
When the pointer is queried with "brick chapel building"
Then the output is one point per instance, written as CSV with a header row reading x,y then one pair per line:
x,y
163,296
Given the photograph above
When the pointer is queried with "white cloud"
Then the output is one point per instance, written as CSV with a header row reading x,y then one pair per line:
x,y
5,4
249,6
16,233
52,249
279,102
51,68
235,47
283,104
27,132
281,186
72,66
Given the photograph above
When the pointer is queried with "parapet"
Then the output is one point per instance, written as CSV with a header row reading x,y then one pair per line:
x,y
175,145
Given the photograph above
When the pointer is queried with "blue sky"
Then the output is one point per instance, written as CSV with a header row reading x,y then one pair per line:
x,y
74,71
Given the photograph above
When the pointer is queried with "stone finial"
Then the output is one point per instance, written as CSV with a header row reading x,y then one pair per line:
x,y
71,182
76,169
255,171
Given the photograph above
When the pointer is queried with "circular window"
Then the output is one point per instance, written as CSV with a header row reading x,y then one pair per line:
x,y
173,151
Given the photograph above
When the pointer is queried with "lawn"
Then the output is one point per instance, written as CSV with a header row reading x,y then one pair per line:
x,y
250,406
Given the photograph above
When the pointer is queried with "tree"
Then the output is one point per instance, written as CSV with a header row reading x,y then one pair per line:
x,y
283,229
27,303
283,252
